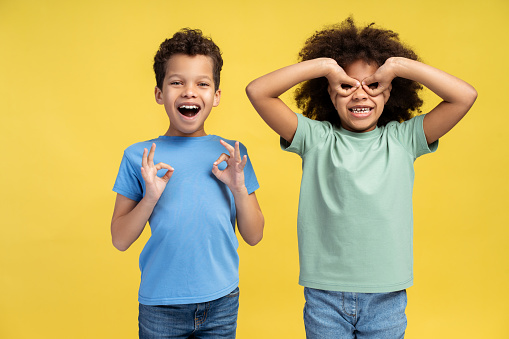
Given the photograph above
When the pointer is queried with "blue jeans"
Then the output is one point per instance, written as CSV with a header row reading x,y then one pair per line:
x,y
213,319
330,314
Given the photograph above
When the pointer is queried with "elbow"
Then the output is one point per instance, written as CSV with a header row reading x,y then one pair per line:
x,y
255,238
252,90
117,241
119,245
470,96
473,95
252,241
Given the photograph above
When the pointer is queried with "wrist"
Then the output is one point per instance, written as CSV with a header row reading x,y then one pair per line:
x,y
328,66
396,65
149,200
239,192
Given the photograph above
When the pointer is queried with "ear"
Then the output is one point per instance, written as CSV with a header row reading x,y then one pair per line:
x,y
217,98
159,95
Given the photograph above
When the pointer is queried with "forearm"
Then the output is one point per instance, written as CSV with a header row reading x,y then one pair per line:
x,y
448,87
264,93
125,229
250,220
458,96
273,84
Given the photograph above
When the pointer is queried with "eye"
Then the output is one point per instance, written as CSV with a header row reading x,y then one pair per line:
x,y
203,84
346,86
373,85
175,83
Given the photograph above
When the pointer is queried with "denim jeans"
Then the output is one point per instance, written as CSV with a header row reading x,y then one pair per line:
x,y
330,314
213,319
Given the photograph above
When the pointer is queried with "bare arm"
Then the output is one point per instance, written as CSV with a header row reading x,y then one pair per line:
x,y
458,96
250,219
129,220
130,217
264,92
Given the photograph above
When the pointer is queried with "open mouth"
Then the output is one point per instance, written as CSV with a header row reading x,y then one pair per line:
x,y
361,111
189,110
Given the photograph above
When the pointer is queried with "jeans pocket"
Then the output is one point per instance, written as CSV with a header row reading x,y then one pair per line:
x,y
234,293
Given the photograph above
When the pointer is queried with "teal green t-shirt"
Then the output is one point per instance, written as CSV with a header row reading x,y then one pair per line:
x,y
355,222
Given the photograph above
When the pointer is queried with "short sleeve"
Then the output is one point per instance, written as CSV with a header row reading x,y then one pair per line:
x,y
250,179
308,135
129,181
411,135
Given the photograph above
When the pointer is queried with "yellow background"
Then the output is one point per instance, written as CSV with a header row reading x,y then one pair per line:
x,y
76,88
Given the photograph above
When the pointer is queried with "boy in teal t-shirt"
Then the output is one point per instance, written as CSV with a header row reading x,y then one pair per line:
x,y
358,142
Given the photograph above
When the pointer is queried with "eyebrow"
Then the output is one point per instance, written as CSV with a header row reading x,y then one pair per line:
x,y
201,76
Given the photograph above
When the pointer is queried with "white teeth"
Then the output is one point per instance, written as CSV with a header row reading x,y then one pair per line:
x,y
361,110
189,107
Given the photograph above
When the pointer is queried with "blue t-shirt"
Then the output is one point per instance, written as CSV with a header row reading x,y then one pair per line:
x,y
191,256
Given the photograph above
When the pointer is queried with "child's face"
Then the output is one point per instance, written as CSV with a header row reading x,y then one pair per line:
x,y
188,94
359,112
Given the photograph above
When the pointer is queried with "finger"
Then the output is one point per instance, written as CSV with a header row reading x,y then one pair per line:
x,y
222,157
374,85
237,151
216,171
144,158
348,91
372,90
168,174
162,165
227,146
150,159
348,86
243,163
144,174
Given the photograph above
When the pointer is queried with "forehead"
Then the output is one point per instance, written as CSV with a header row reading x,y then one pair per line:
x,y
360,69
192,65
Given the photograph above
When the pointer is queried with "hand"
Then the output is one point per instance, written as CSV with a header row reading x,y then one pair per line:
x,y
233,174
154,185
380,81
339,82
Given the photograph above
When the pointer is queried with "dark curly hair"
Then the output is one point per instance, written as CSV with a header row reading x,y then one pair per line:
x,y
346,43
190,42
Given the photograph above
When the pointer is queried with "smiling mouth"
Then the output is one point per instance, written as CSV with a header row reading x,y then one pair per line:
x,y
189,110
361,111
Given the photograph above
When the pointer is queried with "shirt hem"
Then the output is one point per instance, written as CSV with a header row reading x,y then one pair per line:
x,y
188,300
355,288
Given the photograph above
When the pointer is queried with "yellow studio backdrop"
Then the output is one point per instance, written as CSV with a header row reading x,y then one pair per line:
x,y
76,88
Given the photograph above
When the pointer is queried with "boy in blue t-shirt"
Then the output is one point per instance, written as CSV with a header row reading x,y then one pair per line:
x,y
189,266
358,142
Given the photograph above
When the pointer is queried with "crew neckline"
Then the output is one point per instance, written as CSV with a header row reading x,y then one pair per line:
x,y
180,138
361,135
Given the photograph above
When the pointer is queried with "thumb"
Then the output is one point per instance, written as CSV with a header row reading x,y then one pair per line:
x,y
216,171
373,86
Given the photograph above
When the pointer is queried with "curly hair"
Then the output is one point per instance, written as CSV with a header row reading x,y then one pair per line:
x,y
189,42
346,43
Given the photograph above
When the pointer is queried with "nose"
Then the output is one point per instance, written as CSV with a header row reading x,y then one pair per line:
x,y
189,91
360,94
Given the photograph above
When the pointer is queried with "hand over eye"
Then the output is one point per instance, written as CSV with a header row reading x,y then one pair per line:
x,y
341,83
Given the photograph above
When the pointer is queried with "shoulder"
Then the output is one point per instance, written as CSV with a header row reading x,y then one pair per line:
x,y
310,126
140,145
407,126
410,134
309,134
